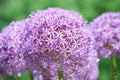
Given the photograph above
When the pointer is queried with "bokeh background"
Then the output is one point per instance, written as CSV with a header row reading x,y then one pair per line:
x,y
14,10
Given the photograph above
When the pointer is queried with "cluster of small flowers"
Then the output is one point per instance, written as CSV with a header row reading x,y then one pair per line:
x,y
106,30
11,60
60,41
48,41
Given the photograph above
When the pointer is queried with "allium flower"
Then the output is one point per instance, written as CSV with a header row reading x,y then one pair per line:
x,y
106,30
57,39
11,60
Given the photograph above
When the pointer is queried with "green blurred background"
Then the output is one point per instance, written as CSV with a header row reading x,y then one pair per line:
x,y
14,10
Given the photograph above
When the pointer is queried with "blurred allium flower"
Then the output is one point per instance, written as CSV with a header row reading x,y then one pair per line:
x,y
106,30
11,60
57,40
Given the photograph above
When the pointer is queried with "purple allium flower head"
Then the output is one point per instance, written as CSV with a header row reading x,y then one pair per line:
x,y
106,30
11,60
57,39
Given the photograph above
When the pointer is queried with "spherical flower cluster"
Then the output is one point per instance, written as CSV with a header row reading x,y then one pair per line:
x,y
11,60
57,40
106,30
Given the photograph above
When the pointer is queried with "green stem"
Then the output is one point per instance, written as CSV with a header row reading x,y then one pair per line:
x,y
31,76
60,74
16,77
114,66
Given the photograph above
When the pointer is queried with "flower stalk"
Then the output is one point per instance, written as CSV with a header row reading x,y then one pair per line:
x,y
60,74
114,67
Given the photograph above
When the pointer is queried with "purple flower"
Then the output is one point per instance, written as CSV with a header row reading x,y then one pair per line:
x,y
57,39
11,60
106,30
